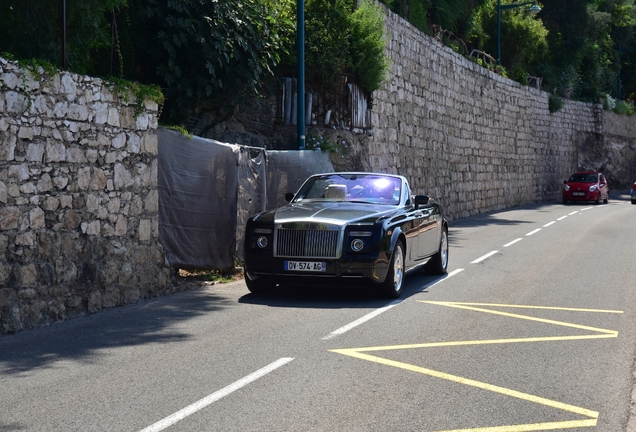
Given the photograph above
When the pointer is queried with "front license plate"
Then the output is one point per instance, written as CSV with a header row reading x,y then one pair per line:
x,y
305,266
578,193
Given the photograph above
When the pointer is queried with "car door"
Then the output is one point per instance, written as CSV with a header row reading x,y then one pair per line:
x,y
429,236
603,186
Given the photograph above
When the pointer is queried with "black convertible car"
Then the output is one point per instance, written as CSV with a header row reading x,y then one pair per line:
x,y
347,229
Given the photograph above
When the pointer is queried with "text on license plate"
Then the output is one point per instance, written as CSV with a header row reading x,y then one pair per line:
x,y
305,266
578,193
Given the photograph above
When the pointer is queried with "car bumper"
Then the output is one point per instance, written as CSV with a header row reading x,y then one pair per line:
x,y
633,195
586,196
363,270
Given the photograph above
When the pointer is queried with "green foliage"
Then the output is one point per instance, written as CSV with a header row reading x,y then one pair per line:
x,y
369,59
583,38
141,92
523,36
32,29
210,49
417,15
181,129
519,74
339,41
320,141
618,106
555,103
327,39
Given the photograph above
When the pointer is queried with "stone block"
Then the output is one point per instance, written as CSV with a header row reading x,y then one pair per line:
x,y
9,217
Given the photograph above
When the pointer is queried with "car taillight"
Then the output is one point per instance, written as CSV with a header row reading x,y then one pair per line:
x,y
634,186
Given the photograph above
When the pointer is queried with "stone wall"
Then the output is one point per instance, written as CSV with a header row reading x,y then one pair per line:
x,y
78,199
477,141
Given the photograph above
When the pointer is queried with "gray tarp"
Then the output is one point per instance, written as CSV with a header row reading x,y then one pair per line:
x,y
208,190
287,170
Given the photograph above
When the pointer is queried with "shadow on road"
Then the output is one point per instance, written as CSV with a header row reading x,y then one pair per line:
x,y
147,322
321,297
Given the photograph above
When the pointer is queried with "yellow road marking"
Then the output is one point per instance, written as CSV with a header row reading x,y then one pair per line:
x,y
532,427
525,307
526,317
592,415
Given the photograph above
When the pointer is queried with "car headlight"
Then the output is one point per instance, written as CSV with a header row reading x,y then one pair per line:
x,y
357,245
262,242
566,187
592,188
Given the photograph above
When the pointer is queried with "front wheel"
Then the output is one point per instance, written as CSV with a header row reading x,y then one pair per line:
x,y
392,285
258,286
438,264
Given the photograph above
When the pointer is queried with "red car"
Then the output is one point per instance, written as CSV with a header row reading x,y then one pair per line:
x,y
586,186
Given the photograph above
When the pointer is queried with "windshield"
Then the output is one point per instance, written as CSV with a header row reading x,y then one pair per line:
x,y
371,188
584,178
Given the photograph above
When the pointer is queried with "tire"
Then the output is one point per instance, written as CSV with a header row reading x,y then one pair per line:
x,y
633,202
258,286
392,285
599,200
438,264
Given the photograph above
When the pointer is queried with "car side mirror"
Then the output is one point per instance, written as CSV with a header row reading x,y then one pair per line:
x,y
565,182
289,196
421,200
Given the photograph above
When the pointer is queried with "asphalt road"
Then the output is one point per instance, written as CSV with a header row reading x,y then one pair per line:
x,y
533,329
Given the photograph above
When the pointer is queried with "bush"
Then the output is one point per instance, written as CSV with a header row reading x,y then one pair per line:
x,y
555,103
368,55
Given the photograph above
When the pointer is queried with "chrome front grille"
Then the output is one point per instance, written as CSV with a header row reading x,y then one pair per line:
x,y
306,243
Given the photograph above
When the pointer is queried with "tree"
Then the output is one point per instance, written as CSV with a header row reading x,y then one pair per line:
x,y
523,36
209,49
33,29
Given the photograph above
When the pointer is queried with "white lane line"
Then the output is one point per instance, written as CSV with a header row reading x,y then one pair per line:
x,y
548,224
191,409
533,232
512,242
377,312
362,320
561,218
480,259
573,213
451,274
587,208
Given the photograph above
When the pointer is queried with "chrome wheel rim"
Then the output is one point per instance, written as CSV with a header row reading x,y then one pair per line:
x,y
398,268
444,249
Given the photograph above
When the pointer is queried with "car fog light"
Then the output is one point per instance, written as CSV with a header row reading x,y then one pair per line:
x,y
262,242
357,245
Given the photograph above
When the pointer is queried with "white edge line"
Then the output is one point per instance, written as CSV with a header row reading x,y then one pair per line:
x,y
451,274
480,259
377,312
512,242
191,409
561,218
548,224
362,320
533,232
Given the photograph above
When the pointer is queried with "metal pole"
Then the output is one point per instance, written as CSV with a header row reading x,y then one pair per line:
x,y
619,73
300,43
498,32
63,34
